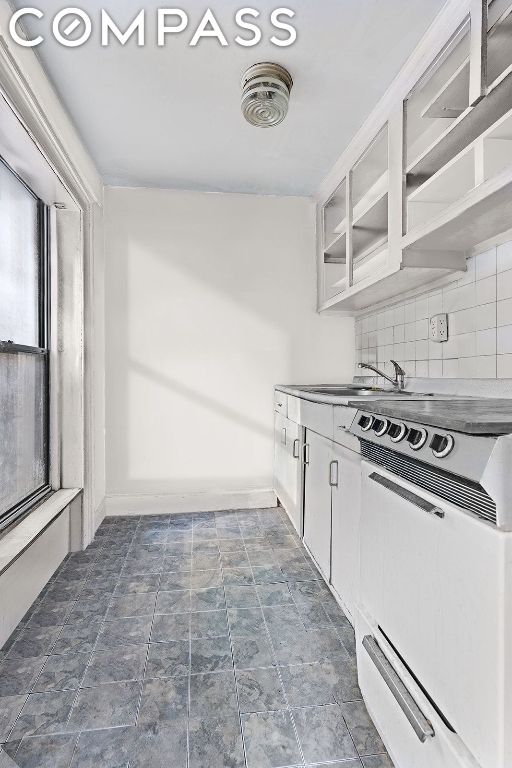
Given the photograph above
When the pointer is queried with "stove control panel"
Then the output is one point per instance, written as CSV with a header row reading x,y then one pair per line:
x,y
460,453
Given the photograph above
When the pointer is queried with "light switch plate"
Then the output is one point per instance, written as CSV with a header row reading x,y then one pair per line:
x,y
438,330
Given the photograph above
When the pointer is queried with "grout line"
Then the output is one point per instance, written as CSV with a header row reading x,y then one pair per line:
x,y
285,696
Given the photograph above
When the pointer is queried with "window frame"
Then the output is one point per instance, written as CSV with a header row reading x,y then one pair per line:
x,y
26,504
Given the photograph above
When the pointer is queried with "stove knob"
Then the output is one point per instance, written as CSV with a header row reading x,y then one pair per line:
x,y
442,445
380,427
417,438
365,422
397,432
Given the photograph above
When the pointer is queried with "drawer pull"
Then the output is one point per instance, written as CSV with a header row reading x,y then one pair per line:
x,y
406,494
422,727
296,448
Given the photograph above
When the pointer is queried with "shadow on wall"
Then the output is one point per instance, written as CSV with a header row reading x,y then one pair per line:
x,y
210,302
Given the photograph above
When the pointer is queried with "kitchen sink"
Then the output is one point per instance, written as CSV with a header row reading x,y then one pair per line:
x,y
356,391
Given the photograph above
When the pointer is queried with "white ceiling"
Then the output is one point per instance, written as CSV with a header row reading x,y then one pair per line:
x,y
170,117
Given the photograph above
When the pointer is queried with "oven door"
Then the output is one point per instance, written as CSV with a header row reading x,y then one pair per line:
x,y
431,581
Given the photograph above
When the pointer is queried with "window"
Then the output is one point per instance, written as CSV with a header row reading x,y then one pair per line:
x,y
24,353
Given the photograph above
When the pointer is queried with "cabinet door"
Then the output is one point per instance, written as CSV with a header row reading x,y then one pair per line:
x,y
288,467
317,500
346,510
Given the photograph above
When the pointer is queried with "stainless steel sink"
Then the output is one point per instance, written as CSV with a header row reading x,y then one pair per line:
x,y
357,391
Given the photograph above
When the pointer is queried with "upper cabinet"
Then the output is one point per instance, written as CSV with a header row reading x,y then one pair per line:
x,y
355,222
436,179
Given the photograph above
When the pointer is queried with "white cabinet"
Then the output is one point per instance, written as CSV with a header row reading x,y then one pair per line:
x,y
346,510
288,467
317,499
435,179
318,482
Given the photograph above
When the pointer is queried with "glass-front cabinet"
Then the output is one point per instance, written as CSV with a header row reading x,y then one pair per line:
x,y
435,180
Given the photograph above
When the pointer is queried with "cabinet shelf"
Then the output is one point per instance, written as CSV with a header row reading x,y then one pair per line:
x,y
452,98
374,197
365,269
480,215
451,190
383,285
471,124
449,184
337,251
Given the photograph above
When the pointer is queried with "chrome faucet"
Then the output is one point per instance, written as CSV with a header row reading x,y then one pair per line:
x,y
398,382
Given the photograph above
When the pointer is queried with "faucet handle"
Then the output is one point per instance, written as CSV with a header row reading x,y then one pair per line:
x,y
399,371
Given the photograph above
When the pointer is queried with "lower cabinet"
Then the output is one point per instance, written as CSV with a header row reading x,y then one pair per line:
x,y
318,482
288,467
346,512
317,499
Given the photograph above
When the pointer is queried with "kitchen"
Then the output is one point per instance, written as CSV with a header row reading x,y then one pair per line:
x,y
192,573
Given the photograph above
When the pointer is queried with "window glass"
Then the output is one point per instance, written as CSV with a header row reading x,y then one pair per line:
x,y
19,262
23,427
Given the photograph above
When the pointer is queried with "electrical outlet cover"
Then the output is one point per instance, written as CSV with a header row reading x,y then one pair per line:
x,y
438,329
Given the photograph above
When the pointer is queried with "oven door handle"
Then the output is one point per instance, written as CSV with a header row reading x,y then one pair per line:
x,y
421,726
406,494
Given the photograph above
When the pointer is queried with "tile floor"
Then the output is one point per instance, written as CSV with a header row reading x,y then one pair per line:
x,y
197,641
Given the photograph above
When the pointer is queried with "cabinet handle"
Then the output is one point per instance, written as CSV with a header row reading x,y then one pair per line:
x,y
305,453
408,495
296,448
333,472
422,727
283,435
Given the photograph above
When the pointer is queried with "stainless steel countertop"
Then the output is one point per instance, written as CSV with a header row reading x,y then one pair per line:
x,y
304,392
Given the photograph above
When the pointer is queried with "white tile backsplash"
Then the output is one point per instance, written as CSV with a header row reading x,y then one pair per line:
x,y
485,264
504,312
504,286
479,308
504,257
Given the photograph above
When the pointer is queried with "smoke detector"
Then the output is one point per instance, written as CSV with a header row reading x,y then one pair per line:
x,y
266,91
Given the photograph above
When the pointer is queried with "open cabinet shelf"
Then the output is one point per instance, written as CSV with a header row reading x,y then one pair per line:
x,y
463,131
481,169
383,285
480,215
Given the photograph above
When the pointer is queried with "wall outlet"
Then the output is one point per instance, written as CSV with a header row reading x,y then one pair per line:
x,y
439,327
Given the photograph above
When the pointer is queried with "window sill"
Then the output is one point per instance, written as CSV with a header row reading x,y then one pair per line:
x,y
19,539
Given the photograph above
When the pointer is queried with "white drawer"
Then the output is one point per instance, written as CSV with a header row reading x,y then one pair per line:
x,y
294,408
442,750
318,417
281,402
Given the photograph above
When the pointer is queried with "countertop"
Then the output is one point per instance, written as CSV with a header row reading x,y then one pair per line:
x,y
305,393
486,416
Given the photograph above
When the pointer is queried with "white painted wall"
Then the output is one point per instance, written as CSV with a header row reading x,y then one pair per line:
x,y
210,301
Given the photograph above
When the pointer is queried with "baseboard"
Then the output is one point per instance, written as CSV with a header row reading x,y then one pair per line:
x,y
174,504
99,514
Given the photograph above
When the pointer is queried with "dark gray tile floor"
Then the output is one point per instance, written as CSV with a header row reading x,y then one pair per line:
x,y
197,641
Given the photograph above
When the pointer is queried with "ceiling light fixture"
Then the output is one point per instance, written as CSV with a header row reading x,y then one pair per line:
x,y
266,91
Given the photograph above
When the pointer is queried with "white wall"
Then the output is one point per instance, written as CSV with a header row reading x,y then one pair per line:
x,y
210,301
479,307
